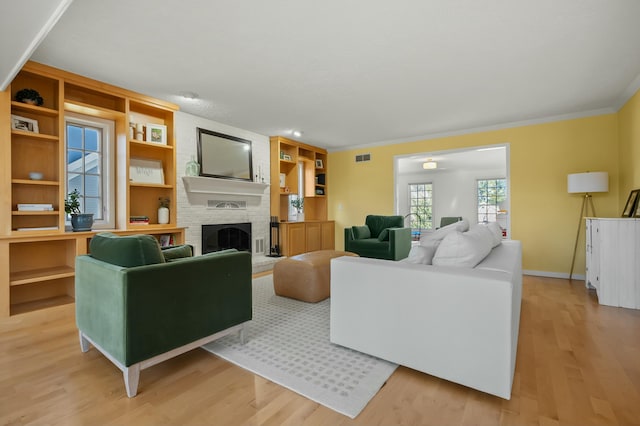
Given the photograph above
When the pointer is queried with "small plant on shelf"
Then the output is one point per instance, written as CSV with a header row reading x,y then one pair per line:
x,y
298,204
79,221
72,203
164,202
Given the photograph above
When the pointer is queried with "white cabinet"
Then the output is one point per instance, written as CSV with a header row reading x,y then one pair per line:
x,y
613,250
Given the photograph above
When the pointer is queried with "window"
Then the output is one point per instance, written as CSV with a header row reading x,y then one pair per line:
x,y
421,205
89,153
491,193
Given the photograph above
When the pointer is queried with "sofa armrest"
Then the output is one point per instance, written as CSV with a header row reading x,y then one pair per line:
x,y
163,306
399,242
348,237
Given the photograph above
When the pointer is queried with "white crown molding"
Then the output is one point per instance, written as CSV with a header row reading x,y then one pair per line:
x,y
562,117
631,90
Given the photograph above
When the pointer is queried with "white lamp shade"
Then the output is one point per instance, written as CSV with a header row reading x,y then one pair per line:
x,y
588,182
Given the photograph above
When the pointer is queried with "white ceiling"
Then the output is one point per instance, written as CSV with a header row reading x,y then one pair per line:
x,y
358,72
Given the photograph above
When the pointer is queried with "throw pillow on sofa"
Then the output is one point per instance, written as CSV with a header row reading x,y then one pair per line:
x,y
422,254
439,234
361,232
496,233
384,235
465,249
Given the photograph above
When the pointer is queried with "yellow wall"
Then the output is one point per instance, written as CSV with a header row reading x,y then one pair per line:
x,y
543,215
629,121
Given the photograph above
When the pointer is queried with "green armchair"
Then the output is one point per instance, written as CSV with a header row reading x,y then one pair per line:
x,y
382,237
140,305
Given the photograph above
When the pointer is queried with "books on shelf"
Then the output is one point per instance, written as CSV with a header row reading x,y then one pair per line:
x,y
138,220
38,228
35,207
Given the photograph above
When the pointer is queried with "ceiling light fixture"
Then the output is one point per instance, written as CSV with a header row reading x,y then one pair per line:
x,y
189,95
296,133
430,165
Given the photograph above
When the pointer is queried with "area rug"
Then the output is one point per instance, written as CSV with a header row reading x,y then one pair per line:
x,y
287,342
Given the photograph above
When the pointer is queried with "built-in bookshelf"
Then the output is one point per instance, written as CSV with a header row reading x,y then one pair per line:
x,y
37,247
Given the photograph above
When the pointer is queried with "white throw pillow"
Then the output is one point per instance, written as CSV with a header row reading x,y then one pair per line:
x,y
496,233
422,253
437,235
465,249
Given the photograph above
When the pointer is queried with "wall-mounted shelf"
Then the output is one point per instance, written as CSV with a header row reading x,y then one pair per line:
x,y
208,185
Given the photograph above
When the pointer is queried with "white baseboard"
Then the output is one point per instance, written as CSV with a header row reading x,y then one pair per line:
x,y
563,275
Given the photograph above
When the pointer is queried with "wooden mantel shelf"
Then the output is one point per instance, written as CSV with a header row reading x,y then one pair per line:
x,y
209,185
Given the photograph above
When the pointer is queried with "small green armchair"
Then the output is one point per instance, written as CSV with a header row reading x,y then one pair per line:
x,y
140,305
381,237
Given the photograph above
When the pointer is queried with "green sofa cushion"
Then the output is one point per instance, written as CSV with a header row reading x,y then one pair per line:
x,y
384,235
361,232
177,252
378,223
371,247
126,251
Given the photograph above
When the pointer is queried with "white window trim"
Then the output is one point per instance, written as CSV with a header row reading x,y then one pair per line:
x,y
108,166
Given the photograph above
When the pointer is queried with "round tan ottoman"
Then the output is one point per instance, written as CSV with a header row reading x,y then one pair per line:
x,y
305,276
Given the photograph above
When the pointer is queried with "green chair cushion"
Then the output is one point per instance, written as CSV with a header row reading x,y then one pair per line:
x,y
384,235
172,253
361,232
377,223
126,251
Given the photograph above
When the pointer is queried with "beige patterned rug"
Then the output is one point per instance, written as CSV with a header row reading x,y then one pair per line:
x,y
288,343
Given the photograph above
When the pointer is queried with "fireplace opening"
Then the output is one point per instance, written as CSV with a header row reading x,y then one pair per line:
x,y
226,236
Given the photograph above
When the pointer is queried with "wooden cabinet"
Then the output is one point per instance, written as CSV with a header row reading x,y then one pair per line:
x,y
612,250
37,262
303,237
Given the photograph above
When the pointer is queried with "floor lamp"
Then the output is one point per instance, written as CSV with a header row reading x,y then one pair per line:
x,y
585,183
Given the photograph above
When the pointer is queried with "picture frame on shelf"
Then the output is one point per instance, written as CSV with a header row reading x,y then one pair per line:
x,y
24,124
631,207
156,133
146,171
319,164
286,157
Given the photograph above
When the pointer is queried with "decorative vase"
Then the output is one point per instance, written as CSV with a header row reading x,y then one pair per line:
x,y
163,215
300,217
81,222
193,168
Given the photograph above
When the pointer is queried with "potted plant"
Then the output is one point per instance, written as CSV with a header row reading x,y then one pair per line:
x,y
79,221
163,210
298,204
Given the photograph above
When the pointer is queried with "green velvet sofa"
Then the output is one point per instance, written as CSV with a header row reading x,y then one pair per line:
x,y
140,305
381,237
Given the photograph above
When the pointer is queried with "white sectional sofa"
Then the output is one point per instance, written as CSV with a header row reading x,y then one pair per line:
x,y
454,322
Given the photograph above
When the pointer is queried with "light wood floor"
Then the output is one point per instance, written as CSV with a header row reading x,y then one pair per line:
x,y
578,364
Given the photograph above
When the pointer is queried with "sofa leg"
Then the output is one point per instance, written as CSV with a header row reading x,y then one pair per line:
x,y
84,343
131,378
242,335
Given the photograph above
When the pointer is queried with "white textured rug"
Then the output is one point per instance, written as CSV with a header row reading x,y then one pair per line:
x,y
288,343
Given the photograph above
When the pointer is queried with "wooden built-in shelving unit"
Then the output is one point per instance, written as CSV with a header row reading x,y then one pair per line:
x,y
37,250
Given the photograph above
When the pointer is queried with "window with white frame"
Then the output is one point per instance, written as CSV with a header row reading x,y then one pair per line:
x,y
491,193
89,166
421,205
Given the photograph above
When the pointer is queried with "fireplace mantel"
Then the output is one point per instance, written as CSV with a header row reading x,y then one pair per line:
x,y
209,185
